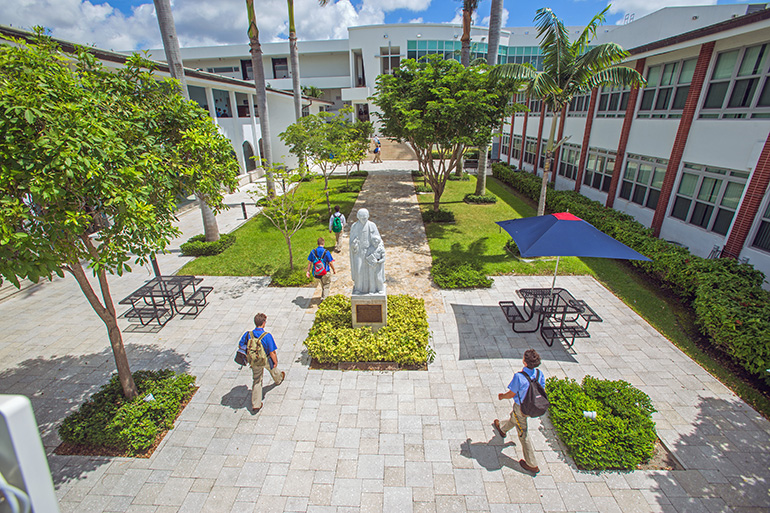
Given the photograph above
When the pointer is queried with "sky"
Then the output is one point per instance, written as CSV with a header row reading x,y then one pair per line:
x,y
131,24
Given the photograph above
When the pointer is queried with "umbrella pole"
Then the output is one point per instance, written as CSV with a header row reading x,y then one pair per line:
x,y
556,270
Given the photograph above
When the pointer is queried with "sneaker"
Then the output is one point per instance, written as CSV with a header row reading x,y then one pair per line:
x,y
526,467
496,425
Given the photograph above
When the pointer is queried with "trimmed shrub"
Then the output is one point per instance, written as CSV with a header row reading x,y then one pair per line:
x,y
285,277
623,434
108,420
359,173
485,199
438,216
465,177
197,246
731,308
405,339
349,188
449,274
416,173
422,188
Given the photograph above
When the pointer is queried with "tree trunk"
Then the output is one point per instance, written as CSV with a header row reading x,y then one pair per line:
x,y
459,163
171,44
210,226
108,315
465,52
481,172
495,22
547,167
259,83
294,57
291,256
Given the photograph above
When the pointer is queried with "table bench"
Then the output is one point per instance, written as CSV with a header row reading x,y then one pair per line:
x,y
195,303
163,296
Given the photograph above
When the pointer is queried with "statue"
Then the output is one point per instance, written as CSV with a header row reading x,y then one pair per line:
x,y
367,256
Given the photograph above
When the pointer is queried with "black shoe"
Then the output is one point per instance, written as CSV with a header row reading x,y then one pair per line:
x,y
526,467
496,425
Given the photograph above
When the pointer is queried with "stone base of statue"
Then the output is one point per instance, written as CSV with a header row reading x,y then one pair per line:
x,y
369,310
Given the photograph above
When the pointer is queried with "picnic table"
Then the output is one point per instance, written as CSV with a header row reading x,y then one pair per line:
x,y
160,298
558,314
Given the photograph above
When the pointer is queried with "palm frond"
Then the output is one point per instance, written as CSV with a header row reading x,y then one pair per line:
x,y
478,61
602,56
589,32
514,72
543,86
616,76
469,5
554,40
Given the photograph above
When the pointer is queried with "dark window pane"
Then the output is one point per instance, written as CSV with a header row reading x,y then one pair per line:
x,y
606,182
614,101
764,98
625,189
587,176
762,240
624,101
652,199
743,92
681,206
722,221
716,95
639,193
603,102
664,96
701,214
680,98
647,98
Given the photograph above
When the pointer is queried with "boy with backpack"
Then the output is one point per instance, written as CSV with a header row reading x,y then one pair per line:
x,y
319,262
527,389
336,225
260,350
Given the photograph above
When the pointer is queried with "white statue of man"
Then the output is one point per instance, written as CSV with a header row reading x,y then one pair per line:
x,y
367,256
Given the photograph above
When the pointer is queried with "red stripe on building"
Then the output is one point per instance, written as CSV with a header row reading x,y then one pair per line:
x,y
543,112
682,133
749,208
557,153
586,138
623,142
510,140
524,135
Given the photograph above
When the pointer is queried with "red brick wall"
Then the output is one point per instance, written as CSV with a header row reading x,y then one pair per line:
x,y
630,109
683,132
524,135
586,138
543,111
749,208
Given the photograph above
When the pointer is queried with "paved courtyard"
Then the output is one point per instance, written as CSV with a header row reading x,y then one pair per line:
x,y
330,441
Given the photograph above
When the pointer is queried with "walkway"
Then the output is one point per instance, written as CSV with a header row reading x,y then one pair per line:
x,y
329,441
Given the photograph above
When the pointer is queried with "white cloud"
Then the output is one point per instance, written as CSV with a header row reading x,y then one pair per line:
x,y
458,19
640,8
485,21
198,22
416,20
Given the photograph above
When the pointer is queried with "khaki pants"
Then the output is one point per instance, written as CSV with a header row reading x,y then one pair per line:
x,y
337,236
519,421
256,386
326,281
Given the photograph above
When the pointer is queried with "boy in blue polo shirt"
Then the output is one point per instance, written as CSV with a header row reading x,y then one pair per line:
x,y
321,255
268,343
517,390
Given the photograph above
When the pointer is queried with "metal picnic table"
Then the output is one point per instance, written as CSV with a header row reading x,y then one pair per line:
x,y
160,298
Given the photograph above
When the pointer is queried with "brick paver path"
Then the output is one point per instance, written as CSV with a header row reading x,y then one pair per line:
x,y
329,441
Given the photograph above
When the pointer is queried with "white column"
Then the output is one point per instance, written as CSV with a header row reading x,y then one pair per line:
x,y
237,133
233,104
212,107
254,136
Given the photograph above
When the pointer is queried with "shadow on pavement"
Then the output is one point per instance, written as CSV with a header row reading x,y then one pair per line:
x,y
490,454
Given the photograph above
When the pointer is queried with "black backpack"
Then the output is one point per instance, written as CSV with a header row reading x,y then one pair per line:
x,y
535,402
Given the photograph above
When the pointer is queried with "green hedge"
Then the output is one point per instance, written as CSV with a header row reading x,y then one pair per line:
x,y
107,419
197,245
422,188
465,177
623,434
731,308
450,274
359,173
485,199
405,339
438,216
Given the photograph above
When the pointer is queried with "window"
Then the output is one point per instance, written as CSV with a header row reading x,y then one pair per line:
x,y
667,88
224,69
516,147
305,110
524,55
739,85
579,105
280,68
599,169
448,49
505,144
570,156
762,238
707,197
530,148
613,102
391,58
535,106
543,146
643,179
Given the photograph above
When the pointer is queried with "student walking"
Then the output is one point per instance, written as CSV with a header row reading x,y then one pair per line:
x,y
336,225
517,390
260,350
320,261
377,150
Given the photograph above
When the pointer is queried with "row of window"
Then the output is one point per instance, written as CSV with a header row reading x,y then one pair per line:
x,y
418,49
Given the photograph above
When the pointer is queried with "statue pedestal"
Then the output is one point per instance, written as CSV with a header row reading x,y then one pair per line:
x,y
369,310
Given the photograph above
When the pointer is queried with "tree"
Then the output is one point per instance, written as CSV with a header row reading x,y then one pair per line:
x,y
294,57
91,165
259,82
312,91
176,68
322,139
440,105
355,145
465,53
289,211
569,69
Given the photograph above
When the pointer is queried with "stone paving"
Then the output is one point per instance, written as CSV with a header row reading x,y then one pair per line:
x,y
330,441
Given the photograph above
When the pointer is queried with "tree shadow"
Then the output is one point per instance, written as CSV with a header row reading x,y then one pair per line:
x,y
490,454
57,386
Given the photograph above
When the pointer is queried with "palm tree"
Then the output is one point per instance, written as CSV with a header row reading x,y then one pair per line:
x,y
259,83
176,68
569,69
465,54
312,91
495,22
294,57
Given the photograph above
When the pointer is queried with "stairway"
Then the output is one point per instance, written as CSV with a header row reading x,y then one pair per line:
x,y
392,150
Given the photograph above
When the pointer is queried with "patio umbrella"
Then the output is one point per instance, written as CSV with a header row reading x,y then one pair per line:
x,y
564,234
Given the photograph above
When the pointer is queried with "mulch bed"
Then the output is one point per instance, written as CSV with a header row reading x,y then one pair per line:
x,y
662,459
366,366
68,449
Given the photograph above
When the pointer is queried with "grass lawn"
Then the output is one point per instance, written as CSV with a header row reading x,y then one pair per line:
x,y
261,250
474,236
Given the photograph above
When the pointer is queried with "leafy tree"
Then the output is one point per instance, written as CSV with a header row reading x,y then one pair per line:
x,y
569,68
355,145
91,165
290,210
440,106
312,91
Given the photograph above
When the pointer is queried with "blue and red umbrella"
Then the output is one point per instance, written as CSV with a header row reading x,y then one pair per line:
x,y
564,234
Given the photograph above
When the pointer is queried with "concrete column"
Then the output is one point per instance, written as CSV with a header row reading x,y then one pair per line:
x,y
212,107
543,112
524,136
749,207
239,132
586,138
624,132
683,132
